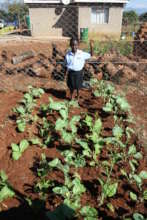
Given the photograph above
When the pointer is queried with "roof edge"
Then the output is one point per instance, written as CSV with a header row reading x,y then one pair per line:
x,y
74,1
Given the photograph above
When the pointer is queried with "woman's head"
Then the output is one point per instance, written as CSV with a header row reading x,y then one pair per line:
x,y
74,44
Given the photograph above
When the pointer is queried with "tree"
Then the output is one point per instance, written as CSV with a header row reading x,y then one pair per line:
x,y
3,15
143,17
17,11
130,17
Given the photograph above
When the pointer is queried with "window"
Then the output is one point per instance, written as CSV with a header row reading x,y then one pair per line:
x,y
99,15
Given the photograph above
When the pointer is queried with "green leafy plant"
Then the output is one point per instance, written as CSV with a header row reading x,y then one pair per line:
x,y
71,191
89,213
5,189
108,189
138,216
17,150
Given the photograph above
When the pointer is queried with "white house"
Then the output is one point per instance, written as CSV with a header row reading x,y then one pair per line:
x,y
57,18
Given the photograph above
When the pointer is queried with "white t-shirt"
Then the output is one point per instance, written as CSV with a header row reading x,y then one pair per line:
x,y
76,61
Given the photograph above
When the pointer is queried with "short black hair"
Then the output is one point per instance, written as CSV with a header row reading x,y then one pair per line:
x,y
72,40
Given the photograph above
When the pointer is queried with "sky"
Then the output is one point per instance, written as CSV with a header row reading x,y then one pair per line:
x,y
137,4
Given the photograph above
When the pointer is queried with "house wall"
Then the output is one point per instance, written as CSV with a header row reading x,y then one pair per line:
x,y
111,29
57,21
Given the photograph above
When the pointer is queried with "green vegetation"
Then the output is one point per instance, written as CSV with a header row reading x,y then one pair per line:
x,y
123,47
5,189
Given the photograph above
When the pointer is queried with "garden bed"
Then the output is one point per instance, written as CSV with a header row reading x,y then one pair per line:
x,y
85,156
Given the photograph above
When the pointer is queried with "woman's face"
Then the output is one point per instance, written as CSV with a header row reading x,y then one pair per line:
x,y
74,46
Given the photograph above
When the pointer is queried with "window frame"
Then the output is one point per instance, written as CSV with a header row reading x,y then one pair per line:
x,y
101,9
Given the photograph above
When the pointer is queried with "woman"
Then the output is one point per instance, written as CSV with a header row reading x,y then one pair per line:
x,y
75,61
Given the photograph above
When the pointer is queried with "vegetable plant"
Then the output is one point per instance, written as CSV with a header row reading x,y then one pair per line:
x,y
5,188
18,149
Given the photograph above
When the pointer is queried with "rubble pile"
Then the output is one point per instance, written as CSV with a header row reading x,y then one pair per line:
x,y
140,44
111,66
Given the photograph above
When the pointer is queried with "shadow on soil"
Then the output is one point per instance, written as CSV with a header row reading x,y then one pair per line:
x,y
56,93
37,212
24,211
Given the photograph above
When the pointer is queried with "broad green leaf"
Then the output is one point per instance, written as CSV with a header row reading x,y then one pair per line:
x,y
143,174
132,150
122,102
62,191
75,119
37,92
86,153
78,187
108,107
35,141
56,105
110,88
138,156
47,140
117,131
68,156
129,131
92,163
97,148
74,103
65,169
96,93
23,145
110,189
3,175
132,166
80,161
15,147
88,211
83,144
138,179
73,128
89,121
20,110
73,205
133,196
55,163
73,122
110,207
16,155
28,97
97,126
5,193
21,126
60,124
64,113
138,216
123,172
67,137
145,194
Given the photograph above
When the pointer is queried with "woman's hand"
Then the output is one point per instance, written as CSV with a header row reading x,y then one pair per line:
x,y
92,43
91,47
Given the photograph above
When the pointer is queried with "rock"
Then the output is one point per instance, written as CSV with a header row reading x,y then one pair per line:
x,y
110,69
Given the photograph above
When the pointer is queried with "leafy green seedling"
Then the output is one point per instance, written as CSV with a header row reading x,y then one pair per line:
x,y
145,194
17,150
5,189
138,216
89,213
133,196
